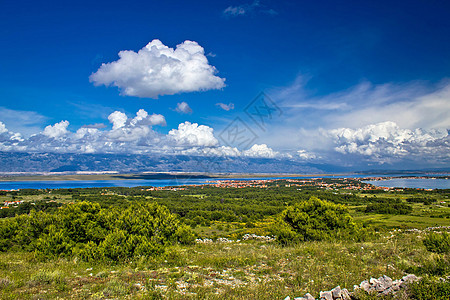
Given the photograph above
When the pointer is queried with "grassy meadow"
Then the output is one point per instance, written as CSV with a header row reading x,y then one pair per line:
x,y
388,244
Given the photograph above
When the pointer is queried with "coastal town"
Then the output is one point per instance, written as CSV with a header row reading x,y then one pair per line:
x,y
354,184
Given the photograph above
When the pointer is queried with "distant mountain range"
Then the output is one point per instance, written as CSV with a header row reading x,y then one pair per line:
x,y
130,163
136,163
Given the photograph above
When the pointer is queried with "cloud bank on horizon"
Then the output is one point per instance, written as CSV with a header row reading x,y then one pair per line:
x,y
382,142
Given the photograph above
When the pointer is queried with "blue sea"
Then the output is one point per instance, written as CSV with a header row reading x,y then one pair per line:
x,y
70,184
60,184
413,183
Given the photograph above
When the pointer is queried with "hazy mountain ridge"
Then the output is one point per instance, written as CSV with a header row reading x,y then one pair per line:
x,y
123,163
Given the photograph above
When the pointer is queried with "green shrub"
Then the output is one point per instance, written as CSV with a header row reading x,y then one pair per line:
x,y
116,288
92,233
392,208
314,219
437,242
185,235
437,266
427,289
46,277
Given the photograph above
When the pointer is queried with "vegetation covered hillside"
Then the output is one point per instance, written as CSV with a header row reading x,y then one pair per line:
x,y
266,240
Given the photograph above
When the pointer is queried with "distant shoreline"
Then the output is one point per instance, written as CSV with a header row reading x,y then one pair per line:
x,y
149,176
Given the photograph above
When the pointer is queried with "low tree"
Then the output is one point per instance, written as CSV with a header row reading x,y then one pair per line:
x,y
314,219
90,232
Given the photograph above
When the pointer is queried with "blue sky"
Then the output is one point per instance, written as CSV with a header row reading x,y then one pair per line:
x,y
364,81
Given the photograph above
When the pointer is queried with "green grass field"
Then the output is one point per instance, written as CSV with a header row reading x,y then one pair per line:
x,y
245,270
236,270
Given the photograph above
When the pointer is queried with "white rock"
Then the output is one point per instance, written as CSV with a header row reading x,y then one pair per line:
x,y
326,295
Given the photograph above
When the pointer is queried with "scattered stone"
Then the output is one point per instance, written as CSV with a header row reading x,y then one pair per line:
x,y
382,286
258,237
407,280
410,278
327,295
336,292
307,296
345,294
387,291
365,285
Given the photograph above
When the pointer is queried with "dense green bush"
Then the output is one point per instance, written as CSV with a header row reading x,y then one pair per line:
x,y
436,266
26,207
437,242
90,232
314,219
425,201
427,289
393,208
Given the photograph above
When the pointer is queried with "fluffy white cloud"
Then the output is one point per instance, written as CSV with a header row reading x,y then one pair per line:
x,y
128,135
144,119
387,140
192,134
212,151
7,137
135,129
118,119
303,154
183,108
57,130
226,107
260,151
3,128
158,70
84,132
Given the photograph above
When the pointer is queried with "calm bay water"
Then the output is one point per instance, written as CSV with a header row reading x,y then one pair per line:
x,y
60,184
427,183
67,184
422,183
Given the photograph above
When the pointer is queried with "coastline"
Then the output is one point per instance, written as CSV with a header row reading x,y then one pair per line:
x,y
148,176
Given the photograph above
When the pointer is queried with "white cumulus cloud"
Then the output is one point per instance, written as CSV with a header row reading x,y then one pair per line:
x,y
192,134
57,130
3,128
128,135
220,151
118,119
158,70
143,118
262,151
303,154
388,140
